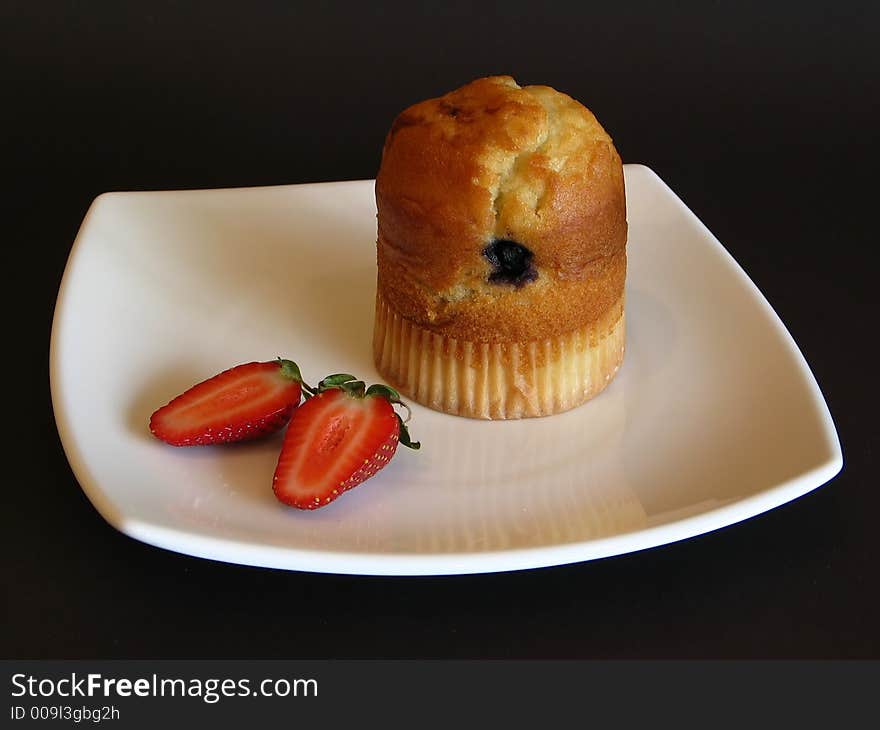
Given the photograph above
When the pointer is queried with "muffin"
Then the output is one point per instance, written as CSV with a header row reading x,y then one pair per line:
x,y
501,252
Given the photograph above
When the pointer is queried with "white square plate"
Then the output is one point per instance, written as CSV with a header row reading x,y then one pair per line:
x,y
714,416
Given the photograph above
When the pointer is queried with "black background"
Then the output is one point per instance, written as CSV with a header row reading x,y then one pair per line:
x,y
763,119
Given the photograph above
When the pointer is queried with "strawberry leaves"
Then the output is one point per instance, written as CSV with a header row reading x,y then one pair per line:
x,y
291,371
404,436
347,383
336,381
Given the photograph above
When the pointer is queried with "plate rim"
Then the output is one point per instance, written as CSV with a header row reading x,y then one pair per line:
x,y
250,553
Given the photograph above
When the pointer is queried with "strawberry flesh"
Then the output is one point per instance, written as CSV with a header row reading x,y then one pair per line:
x,y
334,442
239,404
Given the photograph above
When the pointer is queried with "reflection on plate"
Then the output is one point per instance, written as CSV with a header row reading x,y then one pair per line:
x,y
713,418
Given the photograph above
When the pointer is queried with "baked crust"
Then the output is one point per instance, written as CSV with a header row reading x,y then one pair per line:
x,y
493,160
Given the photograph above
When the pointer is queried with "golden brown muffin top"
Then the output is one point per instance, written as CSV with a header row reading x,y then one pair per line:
x,y
489,162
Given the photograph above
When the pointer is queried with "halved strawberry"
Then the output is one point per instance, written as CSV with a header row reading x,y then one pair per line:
x,y
241,403
337,439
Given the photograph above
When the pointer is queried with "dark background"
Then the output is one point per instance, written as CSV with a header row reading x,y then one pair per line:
x,y
763,119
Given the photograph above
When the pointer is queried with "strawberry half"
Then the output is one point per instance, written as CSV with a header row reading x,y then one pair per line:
x,y
337,439
239,404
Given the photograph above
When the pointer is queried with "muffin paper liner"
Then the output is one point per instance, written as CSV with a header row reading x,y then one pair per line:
x,y
498,380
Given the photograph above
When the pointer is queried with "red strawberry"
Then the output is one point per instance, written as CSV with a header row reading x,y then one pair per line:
x,y
336,440
241,403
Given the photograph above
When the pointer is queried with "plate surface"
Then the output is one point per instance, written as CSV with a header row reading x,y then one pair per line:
x,y
714,416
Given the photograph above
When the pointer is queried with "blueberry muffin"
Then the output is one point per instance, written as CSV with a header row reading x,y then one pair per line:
x,y
501,252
